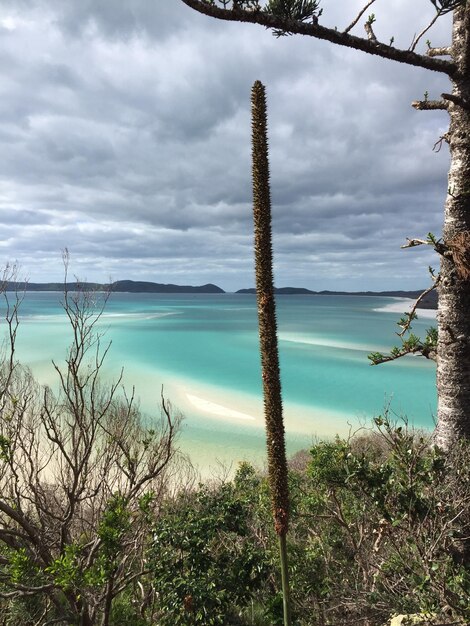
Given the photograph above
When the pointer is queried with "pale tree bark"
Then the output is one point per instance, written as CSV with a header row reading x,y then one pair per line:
x,y
453,364
453,348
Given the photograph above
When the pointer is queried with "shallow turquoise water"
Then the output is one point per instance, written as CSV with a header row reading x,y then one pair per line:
x,y
205,347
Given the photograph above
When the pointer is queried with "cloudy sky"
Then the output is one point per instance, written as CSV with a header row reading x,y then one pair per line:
x,y
125,137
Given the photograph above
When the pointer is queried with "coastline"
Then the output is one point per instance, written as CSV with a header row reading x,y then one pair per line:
x,y
403,305
221,427
223,415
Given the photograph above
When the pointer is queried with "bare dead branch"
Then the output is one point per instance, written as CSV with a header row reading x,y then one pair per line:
x,y
416,40
358,17
429,105
29,528
439,52
67,455
438,145
370,32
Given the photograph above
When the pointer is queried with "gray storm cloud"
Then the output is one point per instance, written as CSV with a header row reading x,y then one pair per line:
x,y
125,132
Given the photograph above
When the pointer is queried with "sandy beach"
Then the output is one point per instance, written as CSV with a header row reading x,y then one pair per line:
x,y
216,409
326,342
222,427
403,305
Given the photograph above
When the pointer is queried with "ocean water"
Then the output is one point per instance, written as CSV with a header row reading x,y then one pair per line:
x,y
203,351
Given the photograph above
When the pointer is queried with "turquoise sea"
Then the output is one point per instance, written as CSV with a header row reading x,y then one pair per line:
x,y
203,350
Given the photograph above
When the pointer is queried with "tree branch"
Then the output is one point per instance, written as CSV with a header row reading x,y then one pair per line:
x,y
321,32
412,314
25,590
415,41
437,244
428,105
461,102
356,20
29,529
428,353
439,52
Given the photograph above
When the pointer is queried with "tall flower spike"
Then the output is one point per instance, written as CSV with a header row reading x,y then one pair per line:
x,y
277,463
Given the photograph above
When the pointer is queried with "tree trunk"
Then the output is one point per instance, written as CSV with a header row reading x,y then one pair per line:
x,y
453,370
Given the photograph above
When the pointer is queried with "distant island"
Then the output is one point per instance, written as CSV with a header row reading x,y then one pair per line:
x,y
428,302
120,286
139,286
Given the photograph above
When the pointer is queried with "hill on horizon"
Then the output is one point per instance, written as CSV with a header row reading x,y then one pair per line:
x,y
120,286
428,302
140,286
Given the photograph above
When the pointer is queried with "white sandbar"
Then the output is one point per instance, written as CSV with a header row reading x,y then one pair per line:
x,y
405,305
216,409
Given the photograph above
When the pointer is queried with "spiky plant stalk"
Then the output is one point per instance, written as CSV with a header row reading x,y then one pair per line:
x,y
277,464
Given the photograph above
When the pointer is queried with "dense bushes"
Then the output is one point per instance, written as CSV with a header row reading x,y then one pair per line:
x,y
206,561
91,534
384,522
380,525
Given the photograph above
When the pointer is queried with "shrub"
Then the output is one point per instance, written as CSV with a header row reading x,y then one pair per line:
x,y
384,522
80,476
206,561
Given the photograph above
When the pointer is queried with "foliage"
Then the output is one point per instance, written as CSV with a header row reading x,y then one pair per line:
x,y
410,344
380,525
445,6
300,10
80,477
205,559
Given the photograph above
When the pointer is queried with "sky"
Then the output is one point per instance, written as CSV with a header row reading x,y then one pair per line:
x,y
125,138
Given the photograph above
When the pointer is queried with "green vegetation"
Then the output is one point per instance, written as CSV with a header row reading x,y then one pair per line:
x,y
102,524
205,562
379,526
79,472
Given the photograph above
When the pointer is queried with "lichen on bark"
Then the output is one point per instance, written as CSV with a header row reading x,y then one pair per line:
x,y
453,364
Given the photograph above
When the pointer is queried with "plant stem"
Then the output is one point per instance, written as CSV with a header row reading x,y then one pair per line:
x,y
277,463
285,579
